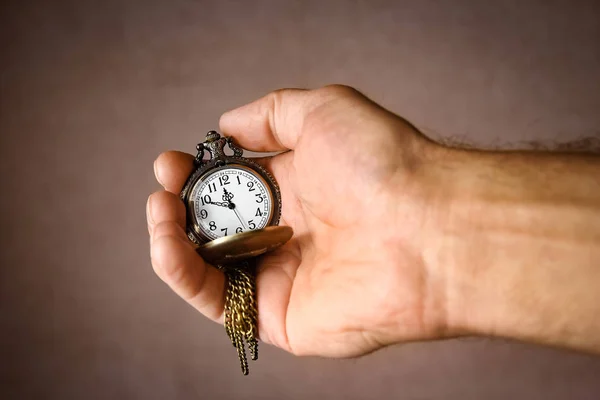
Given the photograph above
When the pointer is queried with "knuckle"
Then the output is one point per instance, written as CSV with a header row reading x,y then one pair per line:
x,y
166,228
338,90
278,104
285,91
277,97
169,269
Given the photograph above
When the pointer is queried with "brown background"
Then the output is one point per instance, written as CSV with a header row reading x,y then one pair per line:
x,y
92,91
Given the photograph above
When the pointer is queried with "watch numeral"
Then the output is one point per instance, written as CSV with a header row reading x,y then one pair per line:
x,y
203,214
239,229
224,230
206,199
212,226
238,179
224,180
251,186
212,187
259,198
251,224
258,213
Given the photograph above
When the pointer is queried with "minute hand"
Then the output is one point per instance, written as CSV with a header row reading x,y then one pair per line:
x,y
237,213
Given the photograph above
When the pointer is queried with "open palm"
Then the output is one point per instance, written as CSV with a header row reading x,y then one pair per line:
x,y
353,278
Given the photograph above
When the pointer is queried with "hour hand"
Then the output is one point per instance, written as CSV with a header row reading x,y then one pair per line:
x,y
218,203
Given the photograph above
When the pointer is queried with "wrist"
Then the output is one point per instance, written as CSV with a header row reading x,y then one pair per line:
x,y
473,244
426,197
516,247
450,239
456,245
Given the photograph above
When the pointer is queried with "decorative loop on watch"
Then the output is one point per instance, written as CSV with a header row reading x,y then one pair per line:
x,y
215,144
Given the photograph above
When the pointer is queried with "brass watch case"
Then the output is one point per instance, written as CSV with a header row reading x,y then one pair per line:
x,y
238,246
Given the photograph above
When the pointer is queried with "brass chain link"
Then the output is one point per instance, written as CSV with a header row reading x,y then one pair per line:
x,y
241,314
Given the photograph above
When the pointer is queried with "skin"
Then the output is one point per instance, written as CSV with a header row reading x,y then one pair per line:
x,y
398,238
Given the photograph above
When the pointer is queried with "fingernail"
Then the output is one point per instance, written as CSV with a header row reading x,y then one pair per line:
x,y
149,210
156,172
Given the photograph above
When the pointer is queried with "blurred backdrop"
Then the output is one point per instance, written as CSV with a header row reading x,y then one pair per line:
x,y
91,91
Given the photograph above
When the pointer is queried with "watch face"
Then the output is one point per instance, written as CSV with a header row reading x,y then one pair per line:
x,y
230,199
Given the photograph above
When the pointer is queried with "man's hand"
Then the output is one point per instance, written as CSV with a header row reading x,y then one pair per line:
x,y
353,278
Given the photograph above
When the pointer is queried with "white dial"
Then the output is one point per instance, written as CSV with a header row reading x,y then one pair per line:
x,y
229,200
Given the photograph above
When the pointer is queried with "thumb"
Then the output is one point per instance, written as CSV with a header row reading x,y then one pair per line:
x,y
275,121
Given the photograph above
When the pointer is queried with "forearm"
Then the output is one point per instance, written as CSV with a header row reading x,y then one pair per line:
x,y
520,242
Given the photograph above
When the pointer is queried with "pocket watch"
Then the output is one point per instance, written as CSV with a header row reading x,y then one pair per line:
x,y
233,206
